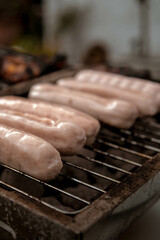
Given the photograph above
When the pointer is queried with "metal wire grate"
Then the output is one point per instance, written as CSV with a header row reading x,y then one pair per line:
x,y
115,154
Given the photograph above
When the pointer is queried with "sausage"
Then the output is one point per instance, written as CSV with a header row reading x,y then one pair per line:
x,y
29,154
55,112
129,83
116,113
145,104
66,137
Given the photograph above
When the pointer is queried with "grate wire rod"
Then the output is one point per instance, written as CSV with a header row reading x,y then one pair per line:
x,y
47,184
115,146
37,199
140,135
116,157
149,124
83,183
135,143
104,164
92,172
145,127
154,124
149,130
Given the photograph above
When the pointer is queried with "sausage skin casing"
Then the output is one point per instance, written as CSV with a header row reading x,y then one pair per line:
x,y
55,112
132,84
114,112
29,154
145,104
66,137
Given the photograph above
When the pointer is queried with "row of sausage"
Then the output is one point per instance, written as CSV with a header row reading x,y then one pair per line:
x,y
62,118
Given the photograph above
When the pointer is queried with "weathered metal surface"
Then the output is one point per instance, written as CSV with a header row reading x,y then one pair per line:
x,y
105,218
22,219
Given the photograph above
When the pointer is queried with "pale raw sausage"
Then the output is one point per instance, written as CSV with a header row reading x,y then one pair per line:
x,y
66,137
145,104
29,154
114,112
142,86
90,125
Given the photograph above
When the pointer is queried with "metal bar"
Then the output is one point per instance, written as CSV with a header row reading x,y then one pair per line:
x,y
151,125
47,184
104,164
125,149
36,199
135,143
92,172
153,131
156,125
84,183
140,135
120,148
66,193
117,157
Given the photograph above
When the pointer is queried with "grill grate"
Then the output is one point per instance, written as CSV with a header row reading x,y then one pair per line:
x,y
115,154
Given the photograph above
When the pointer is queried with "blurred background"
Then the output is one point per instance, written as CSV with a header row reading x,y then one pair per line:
x,y
118,33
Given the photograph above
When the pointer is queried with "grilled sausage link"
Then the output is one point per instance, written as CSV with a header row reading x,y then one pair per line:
x,y
116,113
145,104
142,86
55,112
28,153
66,137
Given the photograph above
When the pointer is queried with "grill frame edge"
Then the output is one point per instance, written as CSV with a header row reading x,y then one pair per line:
x,y
82,224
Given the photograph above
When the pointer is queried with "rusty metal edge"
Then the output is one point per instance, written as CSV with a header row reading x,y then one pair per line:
x,y
23,215
99,209
105,205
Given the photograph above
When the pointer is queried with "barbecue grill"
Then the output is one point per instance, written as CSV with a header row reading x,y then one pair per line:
x,y
98,192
